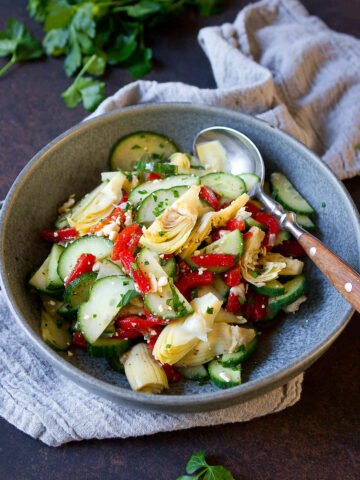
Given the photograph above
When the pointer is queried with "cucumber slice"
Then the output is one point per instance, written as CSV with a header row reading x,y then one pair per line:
x,y
198,373
293,290
109,268
116,364
78,291
224,377
149,262
50,305
230,244
250,180
54,281
67,312
129,149
221,287
170,303
306,222
288,196
142,191
272,288
99,246
225,184
169,266
282,237
251,222
108,347
243,353
55,331
96,314
155,204
39,280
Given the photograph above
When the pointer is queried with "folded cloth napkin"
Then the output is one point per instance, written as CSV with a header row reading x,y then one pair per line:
x,y
274,61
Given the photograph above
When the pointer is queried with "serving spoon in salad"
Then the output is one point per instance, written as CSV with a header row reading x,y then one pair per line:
x,y
244,157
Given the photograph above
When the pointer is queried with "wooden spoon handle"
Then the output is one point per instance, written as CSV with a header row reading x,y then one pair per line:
x,y
339,273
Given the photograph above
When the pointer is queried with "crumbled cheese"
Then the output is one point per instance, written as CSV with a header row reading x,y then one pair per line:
x,y
242,214
162,281
153,282
86,317
294,307
66,206
70,354
241,319
113,236
96,266
56,234
128,218
239,290
123,206
272,239
201,270
52,303
161,256
161,308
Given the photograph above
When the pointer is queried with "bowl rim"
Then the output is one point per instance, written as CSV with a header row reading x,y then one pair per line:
x,y
176,403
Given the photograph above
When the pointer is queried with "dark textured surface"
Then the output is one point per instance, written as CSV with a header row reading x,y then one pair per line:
x,y
316,439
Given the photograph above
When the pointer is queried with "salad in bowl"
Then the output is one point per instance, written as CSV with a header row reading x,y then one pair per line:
x,y
170,270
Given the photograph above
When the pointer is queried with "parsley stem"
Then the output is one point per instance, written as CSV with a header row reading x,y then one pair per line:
x,y
85,67
8,65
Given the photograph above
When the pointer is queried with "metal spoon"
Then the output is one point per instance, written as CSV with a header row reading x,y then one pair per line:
x,y
244,157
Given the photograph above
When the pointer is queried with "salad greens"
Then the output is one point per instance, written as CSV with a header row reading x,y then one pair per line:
x,y
91,35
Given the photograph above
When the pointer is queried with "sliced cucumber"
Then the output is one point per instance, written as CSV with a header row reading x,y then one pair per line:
x,y
225,184
221,287
67,312
305,222
96,314
155,204
50,305
198,374
230,244
293,290
169,266
99,246
243,353
250,180
116,364
251,222
108,347
39,280
78,291
129,149
109,268
272,288
54,281
149,262
55,331
288,196
170,303
142,191
224,377
282,236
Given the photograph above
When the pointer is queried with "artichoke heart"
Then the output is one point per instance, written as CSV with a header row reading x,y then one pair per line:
x,y
181,160
293,266
172,228
209,221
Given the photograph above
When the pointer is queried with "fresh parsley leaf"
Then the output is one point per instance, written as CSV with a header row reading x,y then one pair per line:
x,y
93,94
139,64
123,47
129,295
59,15
143,8
218,473
37,9
98,64
208,7
197,461
55,41
186,477
18,42
209,310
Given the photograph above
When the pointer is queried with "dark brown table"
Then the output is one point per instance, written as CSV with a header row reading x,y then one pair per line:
x,y
316,439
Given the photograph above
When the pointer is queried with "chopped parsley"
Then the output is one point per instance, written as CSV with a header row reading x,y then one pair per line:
x,y
135,147
209,310
162,233
176,193
323,204
168,345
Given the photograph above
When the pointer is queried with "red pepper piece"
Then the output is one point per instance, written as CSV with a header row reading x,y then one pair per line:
x,y
117,213
272,225
167,256
135,322
152,176
184,268
215,234
210,197
128,239
153,336
233,277
247,235
172,375
193,279
290,248
83,265
256,307
79,340
235,225
214,260
131,268
233,305
125,197
126,334
55,236
252,208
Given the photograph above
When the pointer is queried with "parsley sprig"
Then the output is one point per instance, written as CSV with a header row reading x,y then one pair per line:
x,y
198,468
92,35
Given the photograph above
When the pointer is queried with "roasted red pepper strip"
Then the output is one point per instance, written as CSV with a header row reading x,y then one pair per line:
x,y
252,208
210,197
153,176
290,248
215,234
272,227
83,265
128,239
135,322
233,305
233,277
131,268
117,214
55,236
247,235
193,279
79,340
153,336
125,197
172,375
256,307
235,225
214,260
128,334
184,268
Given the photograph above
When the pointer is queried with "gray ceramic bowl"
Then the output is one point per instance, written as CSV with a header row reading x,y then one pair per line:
x,y
72,164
